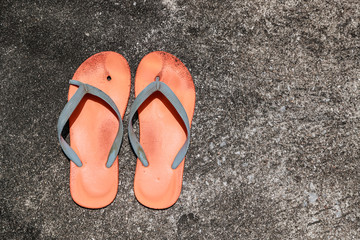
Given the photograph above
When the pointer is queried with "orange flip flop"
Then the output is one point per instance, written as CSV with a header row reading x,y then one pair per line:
x,y
165,102
97,100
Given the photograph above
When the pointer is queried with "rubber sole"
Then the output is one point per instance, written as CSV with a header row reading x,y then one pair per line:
x,y
162,132
93,127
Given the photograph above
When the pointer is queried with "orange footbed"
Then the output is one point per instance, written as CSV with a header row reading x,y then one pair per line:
x,y
93,127
162,132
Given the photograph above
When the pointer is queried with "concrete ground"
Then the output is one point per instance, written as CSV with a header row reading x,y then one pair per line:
x,y
275,147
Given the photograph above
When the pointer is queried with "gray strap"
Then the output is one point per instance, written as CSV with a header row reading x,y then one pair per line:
x,y
69,109
170,95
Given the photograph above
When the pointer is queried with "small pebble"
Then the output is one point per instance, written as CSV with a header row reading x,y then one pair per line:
x,y
313,197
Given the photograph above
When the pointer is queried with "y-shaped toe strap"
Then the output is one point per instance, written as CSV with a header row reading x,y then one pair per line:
x,y
170,95
69,109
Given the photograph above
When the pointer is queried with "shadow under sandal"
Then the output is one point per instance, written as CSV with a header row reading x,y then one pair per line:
x,y
165,102
97,100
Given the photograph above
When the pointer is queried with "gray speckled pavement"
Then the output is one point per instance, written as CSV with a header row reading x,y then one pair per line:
x,y
275,145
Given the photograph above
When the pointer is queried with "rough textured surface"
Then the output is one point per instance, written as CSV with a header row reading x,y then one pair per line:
x,y
275,139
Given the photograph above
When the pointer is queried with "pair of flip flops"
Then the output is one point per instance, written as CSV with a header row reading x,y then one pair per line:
x,y
97,100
